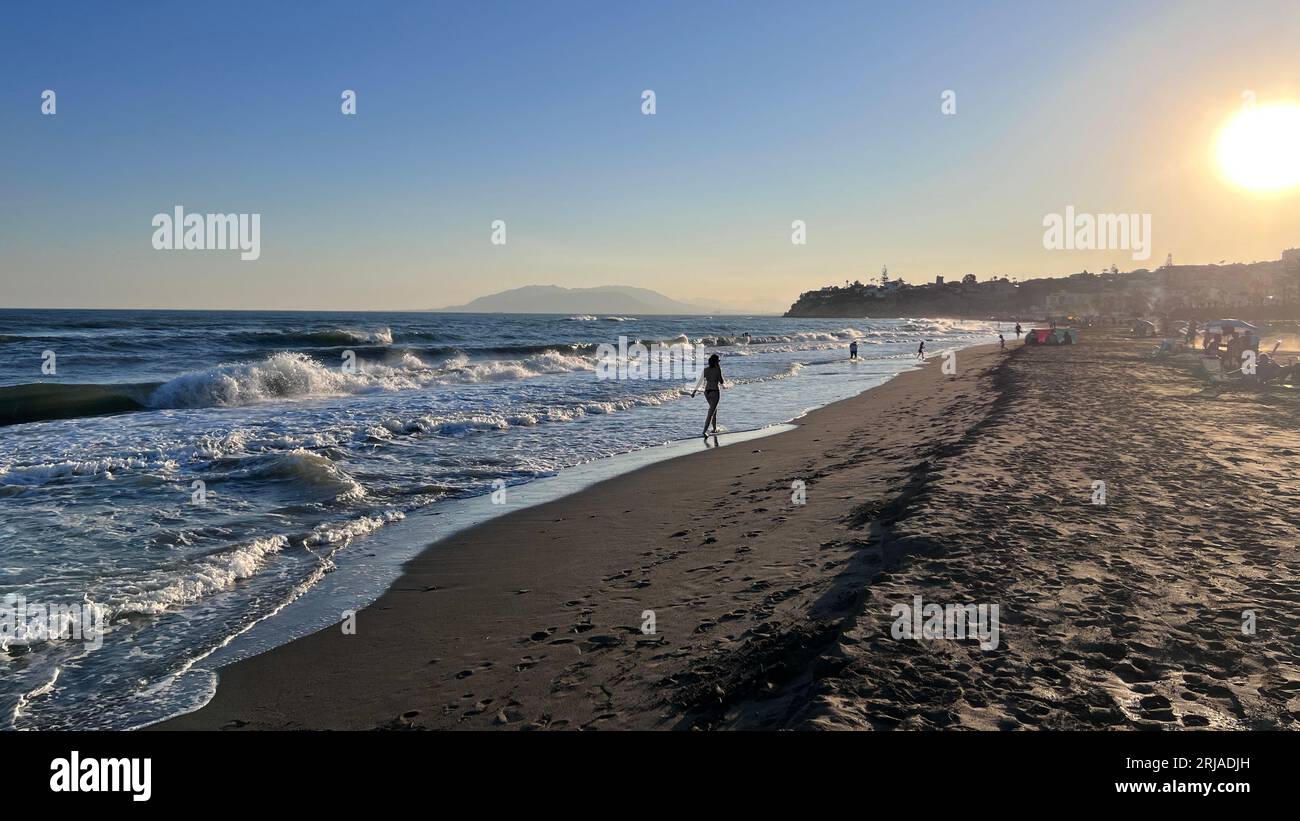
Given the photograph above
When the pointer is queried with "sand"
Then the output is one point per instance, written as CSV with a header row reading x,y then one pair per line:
x,y
975,488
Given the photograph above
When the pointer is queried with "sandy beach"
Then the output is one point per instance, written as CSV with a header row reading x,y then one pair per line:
x,y
977,488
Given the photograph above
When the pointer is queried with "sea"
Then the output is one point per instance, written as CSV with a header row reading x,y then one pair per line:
x,y
204,485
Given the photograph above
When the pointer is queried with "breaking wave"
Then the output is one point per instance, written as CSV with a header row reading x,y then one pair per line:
x,y
306,469
332,337
194,580
291,375
41,401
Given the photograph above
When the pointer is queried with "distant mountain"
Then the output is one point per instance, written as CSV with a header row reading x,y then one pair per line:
x,y
552,299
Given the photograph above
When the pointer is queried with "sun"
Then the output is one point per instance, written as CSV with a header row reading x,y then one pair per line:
x,y
1259,149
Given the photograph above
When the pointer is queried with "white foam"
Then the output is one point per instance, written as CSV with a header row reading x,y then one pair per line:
x,y
214,573
310,469
334,532
102,467
294,375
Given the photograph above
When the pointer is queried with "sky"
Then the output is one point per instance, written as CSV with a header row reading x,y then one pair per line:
x,y
831,113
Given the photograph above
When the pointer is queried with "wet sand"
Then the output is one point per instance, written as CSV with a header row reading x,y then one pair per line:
x,y
976,488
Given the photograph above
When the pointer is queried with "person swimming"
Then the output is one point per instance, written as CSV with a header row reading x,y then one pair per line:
x,y
712,380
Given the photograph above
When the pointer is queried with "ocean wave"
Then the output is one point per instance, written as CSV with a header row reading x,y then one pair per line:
x,y
462,368
56,626
305,469
189,582
330,337
43,472
727,340
462,424
177,587
566,348
41,401
280,376
294,375
334,532
590,318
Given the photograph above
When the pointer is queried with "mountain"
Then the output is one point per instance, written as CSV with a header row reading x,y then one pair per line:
x,y
552,299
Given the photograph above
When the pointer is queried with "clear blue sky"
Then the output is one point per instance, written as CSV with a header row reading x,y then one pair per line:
x,y
529,112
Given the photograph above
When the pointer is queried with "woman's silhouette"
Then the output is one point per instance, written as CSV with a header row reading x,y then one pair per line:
x,y
712,381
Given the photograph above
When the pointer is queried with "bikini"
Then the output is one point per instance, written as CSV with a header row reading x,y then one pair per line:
x,y
714,389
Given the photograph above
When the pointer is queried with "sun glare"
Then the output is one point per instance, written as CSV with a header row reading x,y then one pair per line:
x,y
1259,149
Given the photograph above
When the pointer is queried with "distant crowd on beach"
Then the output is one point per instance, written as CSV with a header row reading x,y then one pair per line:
x,y
712,382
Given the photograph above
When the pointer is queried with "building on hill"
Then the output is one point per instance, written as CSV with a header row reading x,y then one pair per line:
x,y
1256,290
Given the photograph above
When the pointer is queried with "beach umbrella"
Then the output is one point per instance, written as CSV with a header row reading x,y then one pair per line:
x,y
1219,326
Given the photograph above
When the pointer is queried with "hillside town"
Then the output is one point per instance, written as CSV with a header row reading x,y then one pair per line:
x,y
1256,290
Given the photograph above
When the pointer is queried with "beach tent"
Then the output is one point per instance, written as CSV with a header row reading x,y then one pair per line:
x,y
1223,326
1143,328
1041,334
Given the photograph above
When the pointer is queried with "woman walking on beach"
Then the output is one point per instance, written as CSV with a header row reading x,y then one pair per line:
x,y
712,381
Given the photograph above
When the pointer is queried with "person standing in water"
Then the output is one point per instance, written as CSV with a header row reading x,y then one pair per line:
x,y
920,351
1017,330
1002,343
712,380
853,349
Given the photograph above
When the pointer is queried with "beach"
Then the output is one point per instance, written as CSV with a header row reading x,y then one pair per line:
x,y
233,480
1172,604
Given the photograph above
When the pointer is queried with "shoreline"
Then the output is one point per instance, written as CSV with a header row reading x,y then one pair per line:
x,y
478,587
1172,602
317,607
387,467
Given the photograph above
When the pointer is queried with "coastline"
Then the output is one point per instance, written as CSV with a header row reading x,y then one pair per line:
x,y
456,615
977,488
